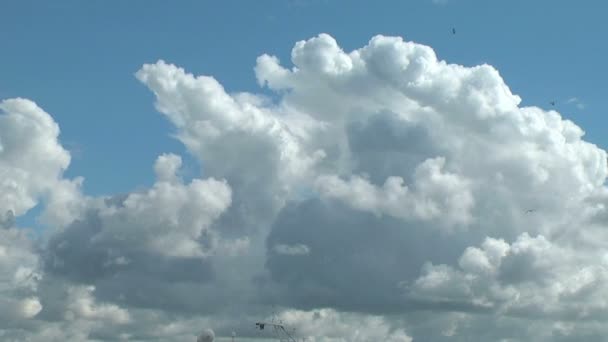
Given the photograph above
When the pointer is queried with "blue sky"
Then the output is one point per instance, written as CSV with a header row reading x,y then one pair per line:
x,y
419,193
76,59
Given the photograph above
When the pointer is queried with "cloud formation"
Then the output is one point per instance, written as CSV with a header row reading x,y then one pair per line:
x,y
32,160
576,102
19,277
381,187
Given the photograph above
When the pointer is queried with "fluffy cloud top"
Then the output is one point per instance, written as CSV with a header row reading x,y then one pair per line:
x,y
169,218
381,184
445,197
31,159
532,276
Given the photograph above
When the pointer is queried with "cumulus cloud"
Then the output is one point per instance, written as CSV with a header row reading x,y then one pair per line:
x,y
497,160
19,276
261,146
437,195
32,160
169,218
380,185
531,276
152,247
327,325
81,305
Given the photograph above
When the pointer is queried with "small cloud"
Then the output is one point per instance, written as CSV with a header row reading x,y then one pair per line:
x,y
298,249
576,102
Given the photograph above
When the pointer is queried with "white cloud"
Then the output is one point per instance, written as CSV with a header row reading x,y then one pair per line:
x,y
169,218
65,203
531,276
167,166
205,115
82,305
364,165
376,103
19,276
327,325
576,102
468,112
436,195
32,160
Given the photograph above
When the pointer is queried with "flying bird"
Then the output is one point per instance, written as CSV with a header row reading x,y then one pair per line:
x,y
453,30
530,211
552,103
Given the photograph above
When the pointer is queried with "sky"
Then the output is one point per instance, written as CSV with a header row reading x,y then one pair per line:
x,y
355,169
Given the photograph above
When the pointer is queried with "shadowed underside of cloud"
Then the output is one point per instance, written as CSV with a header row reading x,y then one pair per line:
x,y
384,195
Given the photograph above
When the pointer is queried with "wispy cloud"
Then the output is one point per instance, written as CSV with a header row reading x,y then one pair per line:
x,y
576,102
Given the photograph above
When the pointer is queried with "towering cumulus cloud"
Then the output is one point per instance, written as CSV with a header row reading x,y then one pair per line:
x,y
380,194
32,163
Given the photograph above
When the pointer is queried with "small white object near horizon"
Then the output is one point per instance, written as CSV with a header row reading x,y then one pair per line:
x,y
206,336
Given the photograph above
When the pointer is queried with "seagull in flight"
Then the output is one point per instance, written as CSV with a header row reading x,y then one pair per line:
x,y
453,30
530,211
